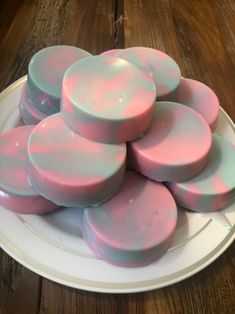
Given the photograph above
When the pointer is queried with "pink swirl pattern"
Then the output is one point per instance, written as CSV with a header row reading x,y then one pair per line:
x,y
107,99
16,193
175,148
128,230
71,170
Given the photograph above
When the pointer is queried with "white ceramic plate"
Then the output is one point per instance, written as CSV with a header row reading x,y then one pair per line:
x,y
52,246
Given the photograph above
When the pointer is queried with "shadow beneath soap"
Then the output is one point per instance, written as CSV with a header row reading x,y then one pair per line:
x,y
19,122
184,93
65,219
231,207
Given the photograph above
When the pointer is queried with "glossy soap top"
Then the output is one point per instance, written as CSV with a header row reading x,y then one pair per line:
x,y
108,87
162,68
219,175
175,147
47,67
214,187
107,99
64,156
201,98
111,52
71,170
135,227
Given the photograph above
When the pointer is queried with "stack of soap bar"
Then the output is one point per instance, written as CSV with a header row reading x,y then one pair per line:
x,y
161,67
107,99
45,74
15,192
77,157
135,227
71,170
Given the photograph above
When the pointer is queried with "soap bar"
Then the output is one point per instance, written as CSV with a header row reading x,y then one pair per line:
x,y
71,170
176,146
111,53
15,192
161,67
214,187
107,99
201,98
28,112
135,227
45,74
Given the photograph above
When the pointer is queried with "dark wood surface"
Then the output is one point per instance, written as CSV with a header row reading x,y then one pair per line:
x,y
200,36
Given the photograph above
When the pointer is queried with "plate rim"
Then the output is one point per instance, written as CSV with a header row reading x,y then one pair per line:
x,y
107,287
95,286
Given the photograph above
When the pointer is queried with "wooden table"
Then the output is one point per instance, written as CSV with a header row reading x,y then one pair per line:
x,y
200,36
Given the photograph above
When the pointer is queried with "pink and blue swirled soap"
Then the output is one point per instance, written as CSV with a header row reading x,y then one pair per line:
x,y
107,99
16,193
45,74
94,114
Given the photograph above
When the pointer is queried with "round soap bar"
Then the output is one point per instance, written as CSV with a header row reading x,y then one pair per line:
x,y
107,99
201,98
161,67
111,52
176,146
28,112
15,192
71,170
214,187
135,227
45,74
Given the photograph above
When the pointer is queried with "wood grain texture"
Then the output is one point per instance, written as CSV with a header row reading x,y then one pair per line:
x,y
90,25
33,25
20,289
199,35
